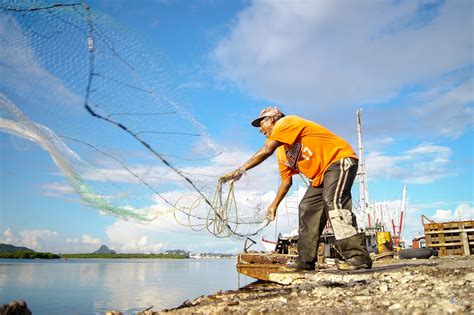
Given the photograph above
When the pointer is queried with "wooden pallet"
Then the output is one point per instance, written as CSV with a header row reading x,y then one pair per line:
x,y
450,238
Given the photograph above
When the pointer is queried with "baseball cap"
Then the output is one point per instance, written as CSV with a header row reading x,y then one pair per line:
x,y
267,112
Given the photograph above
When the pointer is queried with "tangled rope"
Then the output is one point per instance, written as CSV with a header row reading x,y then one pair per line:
x,y
223,218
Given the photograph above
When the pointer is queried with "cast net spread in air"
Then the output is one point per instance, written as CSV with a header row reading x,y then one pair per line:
x,y
100,102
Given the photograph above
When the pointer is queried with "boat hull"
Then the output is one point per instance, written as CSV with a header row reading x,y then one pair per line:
x,y
261,265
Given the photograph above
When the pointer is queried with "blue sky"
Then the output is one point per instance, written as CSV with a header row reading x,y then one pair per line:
x,y
408,64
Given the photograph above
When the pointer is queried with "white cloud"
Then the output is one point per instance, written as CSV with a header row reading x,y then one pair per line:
x,y
378,142
130,237
57,190
318,56
336,52
422,164
10,237
442,215
164,234
453,107
87,239
50,241
442,109
463,211
412,225
33,239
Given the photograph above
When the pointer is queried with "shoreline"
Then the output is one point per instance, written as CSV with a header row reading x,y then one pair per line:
x,y
443,285
35,255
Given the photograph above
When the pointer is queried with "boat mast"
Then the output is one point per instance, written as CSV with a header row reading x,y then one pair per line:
x,y
397,233
363,189
404,205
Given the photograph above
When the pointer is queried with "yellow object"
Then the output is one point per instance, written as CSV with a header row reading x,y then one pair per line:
x,y
384,242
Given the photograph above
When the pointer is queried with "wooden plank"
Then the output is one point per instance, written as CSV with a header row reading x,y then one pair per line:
x,y
448,231
447,240
449,225
456,238
448,244
465,242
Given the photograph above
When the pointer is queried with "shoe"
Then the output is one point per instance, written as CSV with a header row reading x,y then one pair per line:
x,y
355,263
300,265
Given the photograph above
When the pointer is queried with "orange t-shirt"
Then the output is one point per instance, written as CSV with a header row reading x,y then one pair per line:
x,y
307,147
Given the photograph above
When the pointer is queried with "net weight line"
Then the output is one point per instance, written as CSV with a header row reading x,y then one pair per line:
x,y
217,221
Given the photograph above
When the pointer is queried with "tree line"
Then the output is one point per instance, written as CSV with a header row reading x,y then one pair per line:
x,y
32,255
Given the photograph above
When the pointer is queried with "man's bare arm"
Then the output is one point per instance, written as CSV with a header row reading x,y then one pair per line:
x,y
282,191
261,155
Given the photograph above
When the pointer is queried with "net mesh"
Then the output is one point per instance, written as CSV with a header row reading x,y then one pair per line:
x,y
101,103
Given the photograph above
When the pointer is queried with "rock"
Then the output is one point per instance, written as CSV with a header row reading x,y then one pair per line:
x,y
15,308
469,277
362,299
285,278
460,282
395,307
383,288
234,302
405,280
385,302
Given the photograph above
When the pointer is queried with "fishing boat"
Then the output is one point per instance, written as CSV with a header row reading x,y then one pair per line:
x,y
260,265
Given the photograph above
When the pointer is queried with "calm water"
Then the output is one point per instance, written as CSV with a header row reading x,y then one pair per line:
x,y
93,286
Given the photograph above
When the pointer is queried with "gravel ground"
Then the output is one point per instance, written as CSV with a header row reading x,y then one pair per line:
x,y
435,286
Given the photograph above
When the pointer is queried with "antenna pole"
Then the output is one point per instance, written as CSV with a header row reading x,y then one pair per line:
x,y
404,205
363,189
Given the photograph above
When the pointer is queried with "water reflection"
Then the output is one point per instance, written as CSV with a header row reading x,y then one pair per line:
x,y
94,286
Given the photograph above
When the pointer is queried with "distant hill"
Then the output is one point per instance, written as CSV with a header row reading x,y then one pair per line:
x,y
7,248
103,249
179,252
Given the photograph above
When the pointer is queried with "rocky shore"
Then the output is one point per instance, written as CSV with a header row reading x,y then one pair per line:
x,y
438,285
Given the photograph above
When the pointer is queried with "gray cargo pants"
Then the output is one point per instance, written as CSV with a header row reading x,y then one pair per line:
x,y
330,200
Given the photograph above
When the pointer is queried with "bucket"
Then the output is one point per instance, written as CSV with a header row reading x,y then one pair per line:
x,y
384,242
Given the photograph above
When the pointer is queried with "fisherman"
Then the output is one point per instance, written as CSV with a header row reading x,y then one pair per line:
x,y
305,147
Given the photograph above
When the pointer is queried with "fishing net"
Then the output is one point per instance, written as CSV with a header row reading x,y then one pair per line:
x,y
101,103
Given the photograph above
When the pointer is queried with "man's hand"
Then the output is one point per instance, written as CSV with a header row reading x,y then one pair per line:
x,y
271,213
232,176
